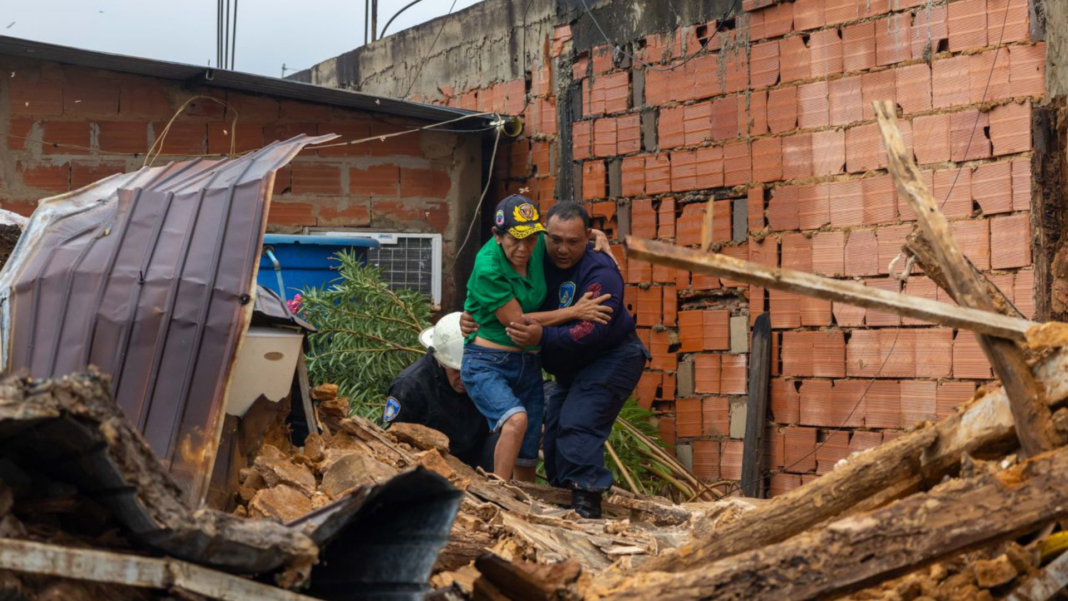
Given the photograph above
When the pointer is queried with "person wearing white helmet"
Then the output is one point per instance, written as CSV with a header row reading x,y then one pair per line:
x,y
430,392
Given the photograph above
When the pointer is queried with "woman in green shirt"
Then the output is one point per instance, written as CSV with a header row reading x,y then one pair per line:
x,y
504,380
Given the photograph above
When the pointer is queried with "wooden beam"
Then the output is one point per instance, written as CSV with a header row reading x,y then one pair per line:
x,y
928,453
862,550
1028,408
756,410
133,570
844,291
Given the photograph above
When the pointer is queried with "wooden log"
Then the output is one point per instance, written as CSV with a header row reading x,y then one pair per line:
x,y
756,411
1031,413
929,453
527,581
863,550
133,570
816,286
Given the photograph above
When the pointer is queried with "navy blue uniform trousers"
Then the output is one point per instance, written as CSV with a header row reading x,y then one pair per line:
x,y
579,415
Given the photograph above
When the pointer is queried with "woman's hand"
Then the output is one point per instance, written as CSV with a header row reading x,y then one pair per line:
x,y
525,333
591,309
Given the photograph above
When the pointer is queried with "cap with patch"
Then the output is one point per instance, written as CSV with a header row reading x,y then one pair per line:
x,y
518,216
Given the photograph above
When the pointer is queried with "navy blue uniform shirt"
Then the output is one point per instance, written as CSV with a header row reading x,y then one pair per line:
x,y
567,348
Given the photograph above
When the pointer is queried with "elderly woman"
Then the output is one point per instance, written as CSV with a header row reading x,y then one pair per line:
x,y
502,378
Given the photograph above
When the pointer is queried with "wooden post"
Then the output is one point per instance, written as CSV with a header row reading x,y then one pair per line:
x,y
756,410
1029,410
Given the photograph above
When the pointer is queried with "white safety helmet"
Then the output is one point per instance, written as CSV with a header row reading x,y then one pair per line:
x,y
446,339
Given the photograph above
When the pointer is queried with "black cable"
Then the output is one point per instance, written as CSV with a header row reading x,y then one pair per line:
x,y
395,15
617,48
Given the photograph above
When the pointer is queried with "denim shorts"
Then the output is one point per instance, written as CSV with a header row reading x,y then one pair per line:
x,y
503,383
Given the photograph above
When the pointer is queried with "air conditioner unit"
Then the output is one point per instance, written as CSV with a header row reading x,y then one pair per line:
x,y
408,260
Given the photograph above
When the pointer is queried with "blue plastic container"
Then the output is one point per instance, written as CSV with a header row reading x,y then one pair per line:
x,y
289,264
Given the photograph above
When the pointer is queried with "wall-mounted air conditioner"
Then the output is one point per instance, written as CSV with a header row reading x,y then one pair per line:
x,y
408,260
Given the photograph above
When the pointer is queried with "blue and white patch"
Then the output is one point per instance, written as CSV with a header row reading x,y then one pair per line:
x,y
567,294
392,410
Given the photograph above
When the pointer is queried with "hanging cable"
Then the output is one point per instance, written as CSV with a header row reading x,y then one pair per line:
x,y
499,124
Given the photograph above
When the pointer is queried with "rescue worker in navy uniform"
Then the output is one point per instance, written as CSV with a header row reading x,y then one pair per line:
x,y
596,366
430,392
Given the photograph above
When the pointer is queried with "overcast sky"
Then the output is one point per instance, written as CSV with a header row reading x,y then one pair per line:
x,y
269,32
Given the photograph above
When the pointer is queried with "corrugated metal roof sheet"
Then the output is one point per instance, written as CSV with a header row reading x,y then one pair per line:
x,y
239,82
148,276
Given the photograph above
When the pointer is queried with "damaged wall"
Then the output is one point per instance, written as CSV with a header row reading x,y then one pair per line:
x,y
66,127
773,121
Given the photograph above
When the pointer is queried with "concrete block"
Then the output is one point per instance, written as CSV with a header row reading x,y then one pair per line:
x,y
741,219
684,378
649,139
575,96
576,179
637,90
615,178
623,219
684,453
738,417
739,334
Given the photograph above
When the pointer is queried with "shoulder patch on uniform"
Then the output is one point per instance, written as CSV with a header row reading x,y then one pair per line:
x,y
392,409
567,294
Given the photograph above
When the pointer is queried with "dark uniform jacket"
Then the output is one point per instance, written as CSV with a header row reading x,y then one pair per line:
x,y
425,397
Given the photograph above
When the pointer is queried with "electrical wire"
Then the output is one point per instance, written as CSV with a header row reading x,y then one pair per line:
x,y
617,48
149,159
426,58
478,207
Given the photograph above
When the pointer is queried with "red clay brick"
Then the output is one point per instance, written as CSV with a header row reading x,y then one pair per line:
x,y
878,319
707,374
879,86
858,43
291,213
37,97
734,374
783,209
828,253
45,175
84,95
833,448
797,156
717,420
1028,69
1021,185
813,206
841,11
785,408
758,113
796,252
683,171
797,350
846,101
419,183
864,355
891,239
951,81
764,64
968,358
922,287
730,466
883,404
831,158
657,174
697,123
848,403
1010,241
1016,21
716,332
918,402
861,441
582,139
967,25
893,40
782,110
755,210
671,128
646,392
931,135
808,14
898,349
973,238
691,331
604,137
378,180
767,160
123,136
248,137
593,180
880,201
1023,292
706,459
829,354
58,135
992,187
934,353
83,174
813,105
800,448
666,218
794,60
987,81
1010,128
724,118
951,395
930,33
952,191
864,148
634,176
826,53
709,167
736,164
643,219
862,253
846,202
913,85
785,309
650,308
688,418
814,311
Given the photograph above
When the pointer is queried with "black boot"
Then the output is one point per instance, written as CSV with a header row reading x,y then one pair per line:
x,y
586,503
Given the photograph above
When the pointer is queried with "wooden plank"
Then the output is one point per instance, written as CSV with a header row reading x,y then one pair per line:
x,y
133,570
1028,408
845,291
929,452
862,550
756,410
311,416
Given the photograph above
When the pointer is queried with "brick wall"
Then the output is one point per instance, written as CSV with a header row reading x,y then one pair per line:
x,y
67,127
773,121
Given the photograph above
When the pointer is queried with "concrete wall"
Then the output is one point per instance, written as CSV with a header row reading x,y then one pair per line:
x,y
773,122
66,127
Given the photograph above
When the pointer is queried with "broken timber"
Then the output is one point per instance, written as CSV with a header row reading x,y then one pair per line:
x,y
1028,409
133,570
983,425
857,551
808,284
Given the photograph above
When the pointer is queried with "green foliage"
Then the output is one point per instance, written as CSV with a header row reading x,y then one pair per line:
x,y
629,448
367,333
